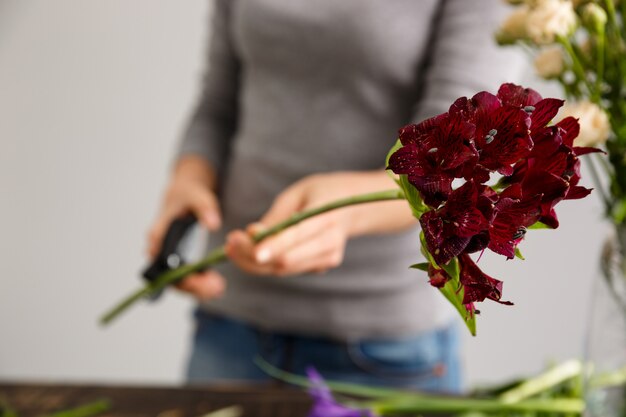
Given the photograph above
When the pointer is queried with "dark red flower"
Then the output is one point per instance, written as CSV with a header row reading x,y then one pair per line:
x,y
434,184
433,154
512,216
477,285
449,229
502,132
504,139
420,133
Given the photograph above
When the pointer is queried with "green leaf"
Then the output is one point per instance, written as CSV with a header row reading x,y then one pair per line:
x,y
412,196
5,409
539,225
393,149
518,254
452,268
410,192
453,290
619,212
423,266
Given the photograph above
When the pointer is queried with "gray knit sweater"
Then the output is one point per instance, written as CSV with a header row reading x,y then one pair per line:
x,y
296,87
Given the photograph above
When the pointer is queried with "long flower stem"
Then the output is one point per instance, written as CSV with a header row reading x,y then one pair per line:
x,y
551,378
87,410
389,401
219,254
451,405
600,186
600,59
577,67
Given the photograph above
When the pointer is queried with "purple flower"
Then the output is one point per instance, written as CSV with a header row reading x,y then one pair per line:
x,y
324,404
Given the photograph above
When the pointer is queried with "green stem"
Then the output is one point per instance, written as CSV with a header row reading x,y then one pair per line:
x,y
337,387
230,411
622,12
600,59
576,65
395,402
599,185
87,410
543,382
450,405
611,14
609,379
219,254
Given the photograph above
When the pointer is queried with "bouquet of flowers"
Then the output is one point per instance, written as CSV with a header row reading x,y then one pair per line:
x,y
476,177
506,135
581,44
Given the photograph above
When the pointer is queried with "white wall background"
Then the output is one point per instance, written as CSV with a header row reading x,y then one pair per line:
x,y
93,95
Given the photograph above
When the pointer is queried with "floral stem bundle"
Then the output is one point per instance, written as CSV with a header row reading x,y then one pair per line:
x,y
555,392
581,44
476,177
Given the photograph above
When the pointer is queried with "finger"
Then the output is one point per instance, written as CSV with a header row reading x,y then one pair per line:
x,y
204,285
287,203
240,250
206,208
276,246
323,252
157,232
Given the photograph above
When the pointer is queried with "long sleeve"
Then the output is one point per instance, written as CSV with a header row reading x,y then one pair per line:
x,y
214,120
464,57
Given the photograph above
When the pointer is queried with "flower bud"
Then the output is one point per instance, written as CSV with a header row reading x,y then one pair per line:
x,y
550,19
514,26
549,62
594,17
594,122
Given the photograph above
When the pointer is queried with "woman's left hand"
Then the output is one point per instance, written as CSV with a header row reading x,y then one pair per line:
x,y
316,244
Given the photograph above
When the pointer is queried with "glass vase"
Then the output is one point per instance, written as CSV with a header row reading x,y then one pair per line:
x,y
605,382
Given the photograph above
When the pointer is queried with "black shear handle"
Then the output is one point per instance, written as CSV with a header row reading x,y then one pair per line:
x,y
170,256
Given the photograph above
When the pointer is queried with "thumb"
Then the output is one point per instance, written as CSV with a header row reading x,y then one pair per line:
x,y
206,208
286,204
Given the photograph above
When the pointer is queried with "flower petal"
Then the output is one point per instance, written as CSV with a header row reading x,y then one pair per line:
x,y
571,129
477,285
544,111
518,96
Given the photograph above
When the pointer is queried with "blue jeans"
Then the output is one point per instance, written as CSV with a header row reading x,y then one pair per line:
x,y
225,349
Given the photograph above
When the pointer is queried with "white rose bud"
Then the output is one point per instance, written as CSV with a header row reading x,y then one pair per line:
x,y
594,17
594,122
514,26
549,19
549,62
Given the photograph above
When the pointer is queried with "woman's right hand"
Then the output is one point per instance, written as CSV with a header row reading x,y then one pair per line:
x,y
190,191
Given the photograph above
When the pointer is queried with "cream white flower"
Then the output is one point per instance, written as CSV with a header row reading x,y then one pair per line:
x,y
594,122
549,62
594,17
514,26
549,19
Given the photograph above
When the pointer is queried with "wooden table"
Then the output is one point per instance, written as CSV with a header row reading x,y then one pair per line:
x,y
31,400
